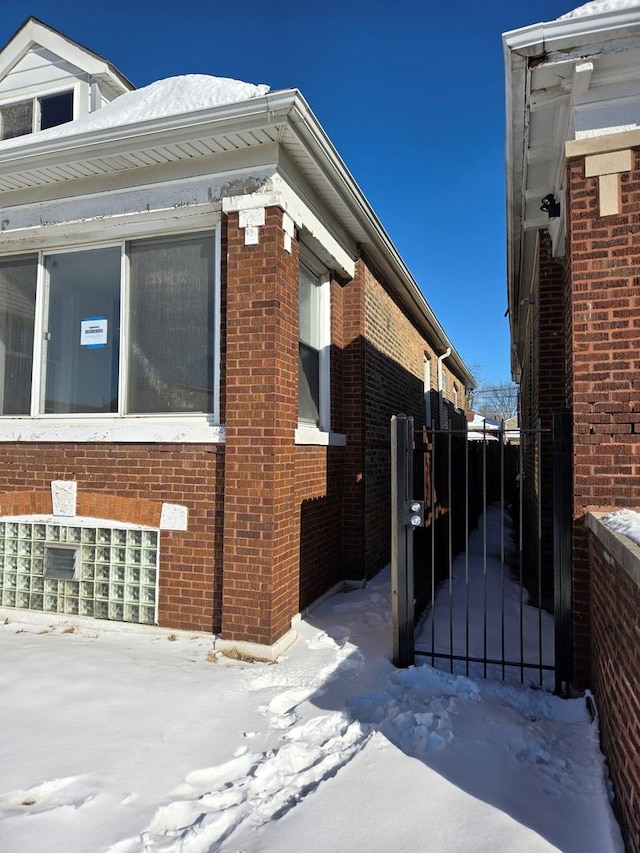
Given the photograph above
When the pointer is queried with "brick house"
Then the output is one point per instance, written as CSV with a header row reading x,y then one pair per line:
x,y
204,332
573,177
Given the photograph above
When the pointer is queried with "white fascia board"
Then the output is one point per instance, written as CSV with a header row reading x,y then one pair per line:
x,y
167,130
515,103
543,37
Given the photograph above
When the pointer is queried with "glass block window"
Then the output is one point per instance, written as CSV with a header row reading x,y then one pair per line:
x,y
99,571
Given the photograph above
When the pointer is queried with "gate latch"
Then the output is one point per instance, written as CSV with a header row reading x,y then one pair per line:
x,y
414,513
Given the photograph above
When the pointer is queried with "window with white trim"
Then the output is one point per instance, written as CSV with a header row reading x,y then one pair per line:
x,y
22,117
314,346
123,329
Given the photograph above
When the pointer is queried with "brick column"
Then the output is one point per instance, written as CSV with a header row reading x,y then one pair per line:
x,y
261,522
603,326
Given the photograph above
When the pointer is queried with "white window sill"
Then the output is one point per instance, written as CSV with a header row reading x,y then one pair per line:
x,y
156,430
313,435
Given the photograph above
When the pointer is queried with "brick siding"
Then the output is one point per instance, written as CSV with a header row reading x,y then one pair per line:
x,y
272,525
128,483
603,361
615,614
394,355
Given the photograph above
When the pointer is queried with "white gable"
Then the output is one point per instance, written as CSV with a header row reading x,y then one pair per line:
x,y
39,60
39,71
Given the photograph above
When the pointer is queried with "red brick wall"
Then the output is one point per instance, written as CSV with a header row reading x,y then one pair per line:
x,y
261,524
272,525
129,482
320,487
394,354
615,614
603,363
353,423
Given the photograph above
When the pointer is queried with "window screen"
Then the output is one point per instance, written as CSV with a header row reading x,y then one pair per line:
x,y
171,325
16,119
17,312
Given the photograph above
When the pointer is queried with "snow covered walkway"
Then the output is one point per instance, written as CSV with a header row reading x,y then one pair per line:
x,y
123,741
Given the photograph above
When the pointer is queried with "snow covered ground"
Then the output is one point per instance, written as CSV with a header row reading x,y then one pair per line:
x,y
123,741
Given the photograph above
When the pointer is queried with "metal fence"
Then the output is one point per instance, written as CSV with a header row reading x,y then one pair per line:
x,y
476,566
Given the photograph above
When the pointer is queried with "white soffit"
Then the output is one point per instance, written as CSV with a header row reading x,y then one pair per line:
x,y
554,73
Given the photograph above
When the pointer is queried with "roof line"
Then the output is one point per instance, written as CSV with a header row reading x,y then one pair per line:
x,y
32,19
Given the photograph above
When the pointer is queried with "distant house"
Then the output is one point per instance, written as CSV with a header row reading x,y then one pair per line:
x,y
204,332
573,184
480,428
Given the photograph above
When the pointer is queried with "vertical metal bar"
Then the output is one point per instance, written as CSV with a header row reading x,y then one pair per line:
x,y
410,586
562,550
450,543
466,550
401,541
539,566
433,546
484,549
502,578
520,543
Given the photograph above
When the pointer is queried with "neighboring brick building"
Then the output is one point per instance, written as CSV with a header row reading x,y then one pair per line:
x,y
204,333
573,161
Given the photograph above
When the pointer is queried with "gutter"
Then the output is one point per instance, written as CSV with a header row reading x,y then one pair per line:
x,y
441,358
63,147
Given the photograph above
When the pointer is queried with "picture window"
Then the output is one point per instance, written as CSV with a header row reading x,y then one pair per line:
x,y
70,356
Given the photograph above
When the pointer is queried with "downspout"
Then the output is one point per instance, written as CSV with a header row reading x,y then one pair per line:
x,y
441,358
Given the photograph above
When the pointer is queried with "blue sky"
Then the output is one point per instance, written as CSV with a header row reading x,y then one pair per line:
x,y
411,93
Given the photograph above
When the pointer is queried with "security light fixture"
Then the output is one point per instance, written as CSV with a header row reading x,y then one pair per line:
x,y
551,206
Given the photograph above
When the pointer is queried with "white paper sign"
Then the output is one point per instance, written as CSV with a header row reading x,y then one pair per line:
x,y
93,332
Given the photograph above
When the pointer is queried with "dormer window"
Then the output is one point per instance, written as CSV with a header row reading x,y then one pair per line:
x,y
55,109
23,117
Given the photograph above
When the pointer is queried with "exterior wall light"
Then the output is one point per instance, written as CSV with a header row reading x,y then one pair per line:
x,y
551,206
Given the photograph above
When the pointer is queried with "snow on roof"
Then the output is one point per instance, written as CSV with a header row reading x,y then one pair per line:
x,y
599,7
625,521
474,435
173,96
480,422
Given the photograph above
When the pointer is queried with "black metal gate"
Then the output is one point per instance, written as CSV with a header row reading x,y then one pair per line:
x,y
481,531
